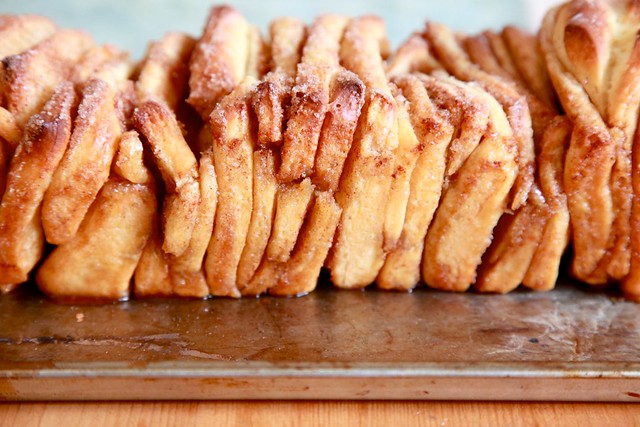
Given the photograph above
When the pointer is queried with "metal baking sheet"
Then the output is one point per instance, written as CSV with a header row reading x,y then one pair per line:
x,y
570,344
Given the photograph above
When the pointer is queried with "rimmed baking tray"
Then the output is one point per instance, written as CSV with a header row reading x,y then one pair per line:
x,y
569,344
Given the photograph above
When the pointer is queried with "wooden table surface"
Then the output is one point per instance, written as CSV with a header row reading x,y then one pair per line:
x,y
318,413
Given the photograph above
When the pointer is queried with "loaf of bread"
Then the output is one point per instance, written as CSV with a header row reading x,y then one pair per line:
x,y
237,164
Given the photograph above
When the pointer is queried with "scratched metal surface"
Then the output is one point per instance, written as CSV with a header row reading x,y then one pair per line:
x,y
523,345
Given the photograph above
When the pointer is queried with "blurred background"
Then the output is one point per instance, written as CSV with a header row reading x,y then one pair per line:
x,y
130,24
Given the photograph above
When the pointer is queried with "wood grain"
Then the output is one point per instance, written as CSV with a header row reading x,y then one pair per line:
x,y
318,414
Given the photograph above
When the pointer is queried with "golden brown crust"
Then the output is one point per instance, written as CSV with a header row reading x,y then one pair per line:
x,y
310,97
357,254
586,51
30,78
257,54
622,112
40,151
515,240
588,194
545,266
527,56
491,53
405,157
287,39
265,187
599,91
528,245
518,236
85,166
129,161
101,258
314,150
472,204
233,146
157,276
4,165
164,72
631,283
401,270
480,52
187,276
413,55
152,277
469,119
106,63
448,51
344,109
191,260
219,60
9,130
19,33
304,130
292,203
271,98
179,170
503,56
161,274
300,274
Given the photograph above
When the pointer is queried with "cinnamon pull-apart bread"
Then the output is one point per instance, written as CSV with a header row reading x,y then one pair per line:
x,y
593,57
240,164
